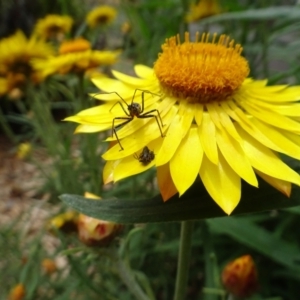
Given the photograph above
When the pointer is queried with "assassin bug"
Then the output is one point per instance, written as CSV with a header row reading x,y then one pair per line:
x,y
135,110
145,157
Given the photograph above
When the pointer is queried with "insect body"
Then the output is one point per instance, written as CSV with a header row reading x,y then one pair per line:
x,y
145,157
135,110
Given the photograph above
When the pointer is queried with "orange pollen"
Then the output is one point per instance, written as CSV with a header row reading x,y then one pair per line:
x,y
77,45
202,71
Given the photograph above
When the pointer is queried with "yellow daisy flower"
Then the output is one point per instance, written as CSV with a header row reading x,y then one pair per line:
x,y
53,26
75,56
101,15
203,9
217,123
16,66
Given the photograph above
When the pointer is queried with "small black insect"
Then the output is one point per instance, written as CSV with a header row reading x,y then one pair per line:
x,y
135,110
145,157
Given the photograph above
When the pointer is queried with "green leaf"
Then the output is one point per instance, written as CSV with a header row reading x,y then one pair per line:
x,y
194,204
288,12
259,239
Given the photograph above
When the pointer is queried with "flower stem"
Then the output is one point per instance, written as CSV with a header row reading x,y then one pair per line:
x,y
129,280
183,259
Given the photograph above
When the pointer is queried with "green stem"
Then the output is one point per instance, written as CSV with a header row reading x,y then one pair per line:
x,y
129,280
6,128
184,26
211,275
81,93
183,259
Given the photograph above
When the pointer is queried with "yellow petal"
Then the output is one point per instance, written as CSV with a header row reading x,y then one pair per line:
x,y
165,182
264,159
133,81
90,128
291,109
222,183
108,170
207,135
198,113
272,93
176,132
213,115
282,186
111,85
91,196
226,122
278,138
130,166
235,156
271,118
247,124
144,72
185,164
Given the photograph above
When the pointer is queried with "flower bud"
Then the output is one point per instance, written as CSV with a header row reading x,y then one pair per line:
x,y
94,232
17,293
239,277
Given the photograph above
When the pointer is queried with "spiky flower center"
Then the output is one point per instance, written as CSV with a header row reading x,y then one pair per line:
x,y
202,71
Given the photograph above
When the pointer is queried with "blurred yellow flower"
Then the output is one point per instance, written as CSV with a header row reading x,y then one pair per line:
x,y
16,66
24,150
17,293
217,123
76,56
239,277
203,9
126,27
100,16
94,232
49,266
53,27
12,85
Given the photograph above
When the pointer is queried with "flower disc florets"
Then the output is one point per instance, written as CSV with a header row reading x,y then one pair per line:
x,y
203,71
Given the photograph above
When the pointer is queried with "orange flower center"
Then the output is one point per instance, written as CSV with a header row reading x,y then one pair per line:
x,y
201,71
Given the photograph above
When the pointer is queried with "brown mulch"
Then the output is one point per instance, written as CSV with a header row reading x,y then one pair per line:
x,y
20,181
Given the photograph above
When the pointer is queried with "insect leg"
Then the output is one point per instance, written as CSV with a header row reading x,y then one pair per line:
x,y
146,115
119,125
125,111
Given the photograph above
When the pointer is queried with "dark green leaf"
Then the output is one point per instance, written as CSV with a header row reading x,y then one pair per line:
x,y
194,204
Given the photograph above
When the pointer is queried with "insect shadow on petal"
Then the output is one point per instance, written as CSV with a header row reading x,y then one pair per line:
x,y
145,157
135,109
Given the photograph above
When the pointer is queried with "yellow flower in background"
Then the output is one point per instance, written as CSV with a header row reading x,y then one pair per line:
x,y
16,67
12,85
203,9
217,123
66,222
239,277
17,293
75,56
49,266
53,27
24,150
100,16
